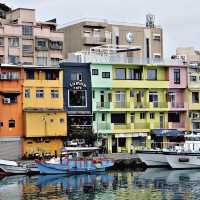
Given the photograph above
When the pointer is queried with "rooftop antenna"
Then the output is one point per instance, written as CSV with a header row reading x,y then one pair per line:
x,y
150,20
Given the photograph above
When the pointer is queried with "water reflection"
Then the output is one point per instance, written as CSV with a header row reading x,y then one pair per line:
x,y
151,184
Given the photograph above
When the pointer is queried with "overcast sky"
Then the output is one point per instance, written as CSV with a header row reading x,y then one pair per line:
x,y
180,19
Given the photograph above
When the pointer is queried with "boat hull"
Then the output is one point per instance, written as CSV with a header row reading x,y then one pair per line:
x,y
8,169
184,161
153,158
73,167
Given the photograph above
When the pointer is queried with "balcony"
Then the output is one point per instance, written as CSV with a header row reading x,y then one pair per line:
x,y
177,106
9,76
103,127
103,105
122,126
141,125
158,105
177,125
140,84
122,105
141,105
94,40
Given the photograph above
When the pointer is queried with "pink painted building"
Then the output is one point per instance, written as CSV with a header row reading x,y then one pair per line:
x,y
177,116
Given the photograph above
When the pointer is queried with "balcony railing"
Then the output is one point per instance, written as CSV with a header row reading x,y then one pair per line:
x,y
141,105
141,125
94,39
177,125
157,104
103,126
121,104
177,105
9,76
122,126
103,105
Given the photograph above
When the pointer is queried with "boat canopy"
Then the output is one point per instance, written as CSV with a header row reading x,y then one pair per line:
x,y
78,149
167,132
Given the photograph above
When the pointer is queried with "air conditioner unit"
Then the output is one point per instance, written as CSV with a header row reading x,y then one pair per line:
x,y
6,100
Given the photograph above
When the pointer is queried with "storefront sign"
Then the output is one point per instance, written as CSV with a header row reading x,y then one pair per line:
x,y
77,85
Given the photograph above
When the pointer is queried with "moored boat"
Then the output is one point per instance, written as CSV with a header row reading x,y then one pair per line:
x,y
11,167
74,163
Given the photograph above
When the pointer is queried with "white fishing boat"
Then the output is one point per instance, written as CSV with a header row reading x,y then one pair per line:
x,y
11,167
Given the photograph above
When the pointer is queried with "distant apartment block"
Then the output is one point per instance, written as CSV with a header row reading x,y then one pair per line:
x,y
23,40
188,54
87,34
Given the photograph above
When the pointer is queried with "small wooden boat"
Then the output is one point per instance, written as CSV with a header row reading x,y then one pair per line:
x,y
75,163
11,167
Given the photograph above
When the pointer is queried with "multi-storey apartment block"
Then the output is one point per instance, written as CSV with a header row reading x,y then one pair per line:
x,y
87,34
27,41
45,121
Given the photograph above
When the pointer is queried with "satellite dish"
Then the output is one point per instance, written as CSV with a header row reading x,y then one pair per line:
x,y
129,37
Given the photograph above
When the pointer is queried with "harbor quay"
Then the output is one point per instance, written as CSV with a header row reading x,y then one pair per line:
x,y
113,89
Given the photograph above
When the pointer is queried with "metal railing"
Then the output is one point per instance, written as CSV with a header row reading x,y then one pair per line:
x,y
141,125
121,104
101,105
122,126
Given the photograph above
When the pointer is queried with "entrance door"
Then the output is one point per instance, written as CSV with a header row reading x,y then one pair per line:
x,y
162,120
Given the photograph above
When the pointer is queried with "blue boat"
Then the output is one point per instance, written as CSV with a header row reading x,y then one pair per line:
x,y
74,165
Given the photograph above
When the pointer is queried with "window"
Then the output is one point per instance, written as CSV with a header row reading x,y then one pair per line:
x,y
195,97
94,117
1,124
77,98
105,74
93,94
42,44
1,41
120,97
103,117
132,117
58,45
95,72
174,117
27,30
176,76
152,115
153,97
142,115
39,93
193,78
41,61
51,75
118,118
30,75
134,74
132,93
13,60
147,48
11,123
54,94
152,74
120,74
55,61
28,49
1,59
76,77
14,42
62,120
27,93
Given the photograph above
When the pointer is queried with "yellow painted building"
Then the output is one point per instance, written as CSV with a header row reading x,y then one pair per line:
x,y
44,117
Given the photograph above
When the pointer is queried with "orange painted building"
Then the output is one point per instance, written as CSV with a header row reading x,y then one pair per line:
x,y
11,123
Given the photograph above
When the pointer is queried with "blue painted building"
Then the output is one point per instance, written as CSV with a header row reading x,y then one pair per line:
x,y
77,99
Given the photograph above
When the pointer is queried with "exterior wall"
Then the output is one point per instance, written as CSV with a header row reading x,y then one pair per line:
x,y
81,36
48,124
47,86
42,146
69,68
183,77
11,111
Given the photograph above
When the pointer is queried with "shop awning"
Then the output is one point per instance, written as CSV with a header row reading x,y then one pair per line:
x,y
167,132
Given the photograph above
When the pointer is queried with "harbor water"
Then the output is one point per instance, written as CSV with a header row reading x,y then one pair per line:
x,y
121,185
